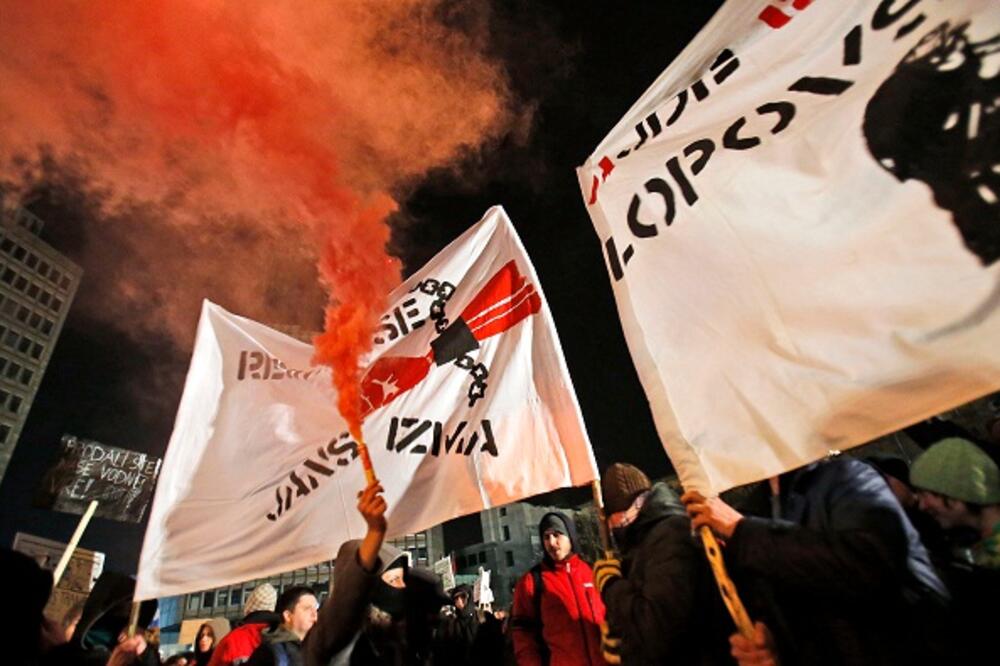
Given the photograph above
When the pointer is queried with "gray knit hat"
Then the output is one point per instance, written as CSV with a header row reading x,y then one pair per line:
x,y
263,598
957,468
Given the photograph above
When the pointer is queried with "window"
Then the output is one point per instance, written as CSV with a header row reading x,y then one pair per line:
x,y
56,275
222,598
24,346
3,397
56,304
503,511
32,260
20,283
10,339
26,376
4,431
3,364
45,297
23,313
506,533
8,275
33,291
192,603
15,404
509,556
482,557
9,306
7,245
35,320
64,283
208,600
19,253
43,268
36,351
12,370
47,326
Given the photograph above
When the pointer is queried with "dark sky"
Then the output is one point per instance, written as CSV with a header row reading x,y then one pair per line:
x,y
581,65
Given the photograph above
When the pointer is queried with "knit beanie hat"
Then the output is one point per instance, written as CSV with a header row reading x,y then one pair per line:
x,y
959,469
621,484
263,598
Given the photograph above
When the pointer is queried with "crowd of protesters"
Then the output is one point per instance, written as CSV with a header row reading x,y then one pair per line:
x,y
845,561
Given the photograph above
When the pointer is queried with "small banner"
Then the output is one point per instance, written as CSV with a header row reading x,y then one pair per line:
x,y
120,480
469,405
801,223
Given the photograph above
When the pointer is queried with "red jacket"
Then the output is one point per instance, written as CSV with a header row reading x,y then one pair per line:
x,y
571,610
237,646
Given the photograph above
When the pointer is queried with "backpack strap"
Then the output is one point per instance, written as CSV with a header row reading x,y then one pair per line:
x,y
536,576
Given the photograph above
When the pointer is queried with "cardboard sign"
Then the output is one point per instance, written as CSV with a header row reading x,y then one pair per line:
x,y
120,480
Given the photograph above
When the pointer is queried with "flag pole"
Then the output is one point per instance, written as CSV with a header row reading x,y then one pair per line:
x,y
73,542
602,524
726,587
133,618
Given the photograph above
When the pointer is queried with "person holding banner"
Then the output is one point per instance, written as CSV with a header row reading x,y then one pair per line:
x,y
661,599
849,579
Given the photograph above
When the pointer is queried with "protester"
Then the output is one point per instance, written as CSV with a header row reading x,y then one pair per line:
x,y
896,473
282,645
258,615
457,630
30,586
959,486
379,610
661,600
557,612
204,644
101,630
848,579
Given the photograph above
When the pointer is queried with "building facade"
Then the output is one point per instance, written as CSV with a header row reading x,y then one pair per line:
x,y
424,547
37,287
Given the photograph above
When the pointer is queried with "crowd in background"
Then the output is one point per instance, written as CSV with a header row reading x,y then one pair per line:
x,y
844,561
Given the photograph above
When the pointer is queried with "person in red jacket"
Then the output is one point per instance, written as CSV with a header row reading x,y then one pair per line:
x,y
557,611
258,614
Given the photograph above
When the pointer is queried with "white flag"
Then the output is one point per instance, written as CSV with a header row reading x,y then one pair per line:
x,y
801,223
470,406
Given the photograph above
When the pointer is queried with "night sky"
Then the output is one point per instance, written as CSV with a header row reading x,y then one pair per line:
x,y
577,66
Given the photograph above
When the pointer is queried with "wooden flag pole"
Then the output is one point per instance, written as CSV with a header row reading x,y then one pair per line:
x,y
602,523
726,587
73,542
133,618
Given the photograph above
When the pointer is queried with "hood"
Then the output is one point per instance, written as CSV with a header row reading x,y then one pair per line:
x,y
106,611
389,555
570,532
280,635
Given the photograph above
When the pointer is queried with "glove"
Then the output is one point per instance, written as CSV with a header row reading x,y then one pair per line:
x,y
606,571
610,645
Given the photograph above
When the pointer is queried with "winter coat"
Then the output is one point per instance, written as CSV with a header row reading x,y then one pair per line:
x,y
236,647
454,638
276,641
571,614
847,578
343,634
666,607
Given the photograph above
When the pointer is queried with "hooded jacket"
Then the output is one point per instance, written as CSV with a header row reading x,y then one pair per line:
x,y
571,611
343,635
275,640
236,647
666,608
845,574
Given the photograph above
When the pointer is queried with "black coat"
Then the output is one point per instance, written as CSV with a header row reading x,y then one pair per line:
x,y
666,608
848,580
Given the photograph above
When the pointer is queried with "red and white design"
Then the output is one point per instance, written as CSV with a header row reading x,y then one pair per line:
x,y
245,441
778,14
505,300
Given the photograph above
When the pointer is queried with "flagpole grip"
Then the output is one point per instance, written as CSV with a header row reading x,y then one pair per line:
x,y
73,542
726,587
602,525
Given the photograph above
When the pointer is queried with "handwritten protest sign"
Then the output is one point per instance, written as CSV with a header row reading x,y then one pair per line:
x,y
120,480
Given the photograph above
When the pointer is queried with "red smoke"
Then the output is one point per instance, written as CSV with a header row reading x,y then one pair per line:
x,y
283,123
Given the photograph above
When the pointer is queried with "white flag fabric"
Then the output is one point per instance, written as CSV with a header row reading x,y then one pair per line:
x,y
470,406
800,220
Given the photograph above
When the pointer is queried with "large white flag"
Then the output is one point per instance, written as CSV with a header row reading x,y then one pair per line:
x,y
470,406
801,223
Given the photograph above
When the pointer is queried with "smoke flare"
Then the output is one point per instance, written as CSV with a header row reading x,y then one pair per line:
x,y
222,143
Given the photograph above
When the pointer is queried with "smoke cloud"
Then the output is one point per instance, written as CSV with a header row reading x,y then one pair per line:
x,y
224,148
